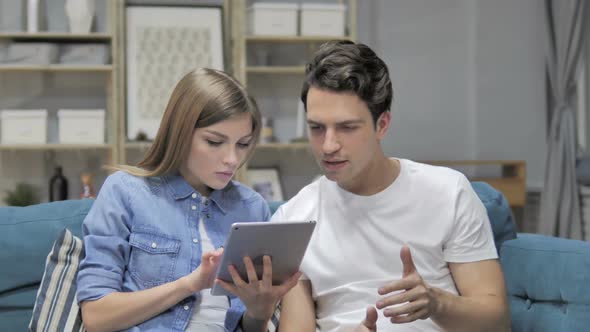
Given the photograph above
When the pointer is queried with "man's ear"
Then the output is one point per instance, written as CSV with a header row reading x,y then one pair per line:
x,y
382,124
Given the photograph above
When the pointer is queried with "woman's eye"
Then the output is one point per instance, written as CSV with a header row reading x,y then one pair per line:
x,y
244,145
214,143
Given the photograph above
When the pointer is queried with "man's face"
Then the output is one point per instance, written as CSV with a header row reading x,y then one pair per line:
x,y
342,135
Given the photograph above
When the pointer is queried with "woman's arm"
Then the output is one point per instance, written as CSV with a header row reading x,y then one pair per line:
x,y
121,310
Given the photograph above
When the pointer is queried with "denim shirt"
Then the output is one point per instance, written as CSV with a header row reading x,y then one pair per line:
x,y
143,232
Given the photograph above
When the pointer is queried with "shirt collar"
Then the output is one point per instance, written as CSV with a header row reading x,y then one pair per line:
x,y
180,189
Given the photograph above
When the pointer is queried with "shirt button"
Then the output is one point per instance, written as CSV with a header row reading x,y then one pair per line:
x,y
195,240
154,245
194,195
206,203
185,307
194,207
208,215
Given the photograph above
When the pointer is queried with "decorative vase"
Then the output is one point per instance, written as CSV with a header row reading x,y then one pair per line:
x,y
33,16
58,186
80,14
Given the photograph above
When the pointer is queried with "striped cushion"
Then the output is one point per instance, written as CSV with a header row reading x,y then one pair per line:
x,y
56,308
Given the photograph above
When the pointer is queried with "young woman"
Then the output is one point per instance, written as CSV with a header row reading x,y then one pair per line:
x,y
152,233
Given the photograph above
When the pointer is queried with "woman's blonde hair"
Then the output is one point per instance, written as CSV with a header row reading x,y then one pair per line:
x,y
201,98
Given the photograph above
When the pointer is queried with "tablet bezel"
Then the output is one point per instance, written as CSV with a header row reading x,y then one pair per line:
x,y
256,239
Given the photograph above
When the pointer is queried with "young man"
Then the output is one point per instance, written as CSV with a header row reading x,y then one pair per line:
x,y
399,245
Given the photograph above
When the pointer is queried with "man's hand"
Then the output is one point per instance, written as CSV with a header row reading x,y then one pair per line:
x,y
419,299
369,324
259,296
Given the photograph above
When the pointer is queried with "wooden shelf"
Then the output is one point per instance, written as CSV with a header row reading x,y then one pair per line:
x,y
57,146
138,145
57,68
56,36
276,70
293,39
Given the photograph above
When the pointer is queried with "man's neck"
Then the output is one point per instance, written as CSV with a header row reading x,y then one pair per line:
x,y
379,175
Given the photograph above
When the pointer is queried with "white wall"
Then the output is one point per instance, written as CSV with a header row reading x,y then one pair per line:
x,y
510,76
427,46
468,78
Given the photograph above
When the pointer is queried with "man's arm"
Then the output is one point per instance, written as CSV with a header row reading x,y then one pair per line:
x,y
482,304
298,309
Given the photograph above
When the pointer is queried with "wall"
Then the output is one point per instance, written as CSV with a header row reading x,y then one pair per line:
x,y
468,79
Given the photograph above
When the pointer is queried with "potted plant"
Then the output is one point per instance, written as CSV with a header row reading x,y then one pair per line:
x,y
23,195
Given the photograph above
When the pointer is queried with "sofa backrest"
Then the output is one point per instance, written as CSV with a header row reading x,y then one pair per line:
x,y
26,237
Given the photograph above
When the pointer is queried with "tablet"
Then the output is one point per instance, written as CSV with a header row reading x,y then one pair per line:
x,y
284,242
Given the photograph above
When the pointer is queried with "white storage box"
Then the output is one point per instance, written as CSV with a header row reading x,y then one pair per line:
x,y
81,126
23,126
322,19
272,19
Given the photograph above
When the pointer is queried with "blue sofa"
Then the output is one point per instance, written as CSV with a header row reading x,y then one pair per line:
x,y
548,278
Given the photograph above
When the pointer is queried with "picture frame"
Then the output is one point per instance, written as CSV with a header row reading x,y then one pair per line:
x,y
266,181
163,44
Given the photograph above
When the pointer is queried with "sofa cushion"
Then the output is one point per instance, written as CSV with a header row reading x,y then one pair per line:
x,y
27,235
56,308
547,281
499,212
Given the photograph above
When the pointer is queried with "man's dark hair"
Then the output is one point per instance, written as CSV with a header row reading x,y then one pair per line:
x,y
345,66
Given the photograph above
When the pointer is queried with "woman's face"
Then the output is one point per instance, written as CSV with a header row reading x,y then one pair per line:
x,y
216,153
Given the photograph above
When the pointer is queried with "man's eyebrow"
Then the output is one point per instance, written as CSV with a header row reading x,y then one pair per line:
x,y
342,123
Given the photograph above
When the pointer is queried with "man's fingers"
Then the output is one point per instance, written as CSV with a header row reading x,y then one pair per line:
x,y
403,284
403,297
405,309
420,314
250,270
406,257
370,320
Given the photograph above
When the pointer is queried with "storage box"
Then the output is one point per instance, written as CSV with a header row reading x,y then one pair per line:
x,y
81,126
23,126
322,19
32,53
272,19
87,54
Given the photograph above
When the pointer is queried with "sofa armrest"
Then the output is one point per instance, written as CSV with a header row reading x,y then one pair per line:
x,y
548,282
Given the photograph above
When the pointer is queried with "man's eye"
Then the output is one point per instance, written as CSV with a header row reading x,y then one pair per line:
x,y
214,143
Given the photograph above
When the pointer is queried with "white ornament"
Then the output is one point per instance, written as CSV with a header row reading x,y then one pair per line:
x,y
80,14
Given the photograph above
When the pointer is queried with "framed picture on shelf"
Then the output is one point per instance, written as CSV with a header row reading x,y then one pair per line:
x,y
266,181
163,44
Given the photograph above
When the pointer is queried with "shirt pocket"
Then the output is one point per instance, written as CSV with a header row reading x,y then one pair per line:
x,y
153,258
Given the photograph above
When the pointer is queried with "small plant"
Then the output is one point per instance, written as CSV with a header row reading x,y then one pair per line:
x,y
23,195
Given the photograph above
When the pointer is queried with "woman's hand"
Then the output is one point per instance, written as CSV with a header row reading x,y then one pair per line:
x,y
204,275
259,296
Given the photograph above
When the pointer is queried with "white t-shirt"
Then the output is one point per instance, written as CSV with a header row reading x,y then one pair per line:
x,y
355,247
209,314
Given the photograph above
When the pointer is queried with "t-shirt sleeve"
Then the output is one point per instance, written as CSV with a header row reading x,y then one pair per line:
x,y
470,238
